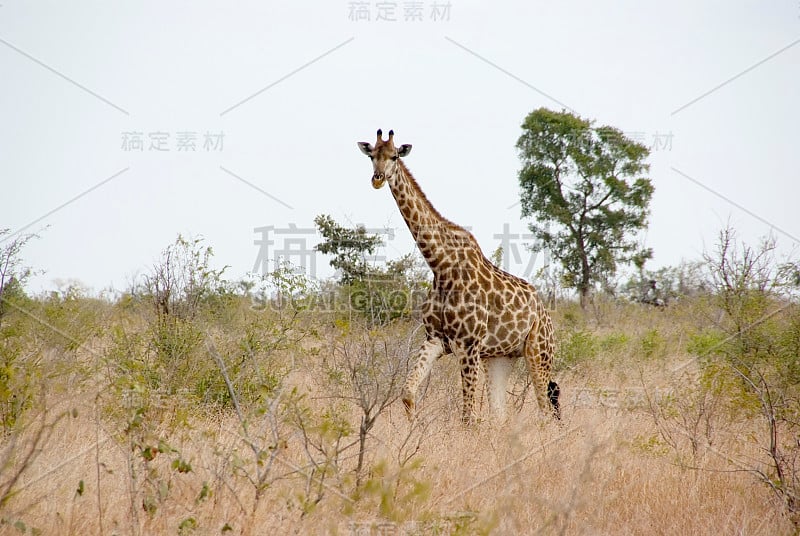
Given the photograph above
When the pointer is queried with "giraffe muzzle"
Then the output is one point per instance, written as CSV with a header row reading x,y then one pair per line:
x,y
378,179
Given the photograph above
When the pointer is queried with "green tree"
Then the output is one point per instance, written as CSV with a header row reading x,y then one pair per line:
x,y
381,293
13,274
349,248
586,189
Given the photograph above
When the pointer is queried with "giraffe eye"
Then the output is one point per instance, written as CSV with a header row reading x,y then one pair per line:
x,y
394,157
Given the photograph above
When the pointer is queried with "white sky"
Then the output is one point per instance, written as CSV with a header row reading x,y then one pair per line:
x,y
77,76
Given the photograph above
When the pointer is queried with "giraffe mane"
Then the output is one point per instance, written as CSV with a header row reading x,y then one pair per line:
x,y
420,195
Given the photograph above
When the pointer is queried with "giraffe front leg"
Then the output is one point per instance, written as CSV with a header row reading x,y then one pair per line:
x,y
430,351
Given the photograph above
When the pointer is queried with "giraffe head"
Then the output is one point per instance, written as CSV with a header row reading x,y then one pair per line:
x,y
384,157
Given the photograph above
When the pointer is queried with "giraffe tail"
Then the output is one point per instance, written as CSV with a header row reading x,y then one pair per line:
x,y
553,391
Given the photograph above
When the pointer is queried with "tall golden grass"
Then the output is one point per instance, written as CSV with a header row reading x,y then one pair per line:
x,y
87,466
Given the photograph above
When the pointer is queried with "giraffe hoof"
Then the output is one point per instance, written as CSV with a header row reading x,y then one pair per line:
x,y
408,402
469,420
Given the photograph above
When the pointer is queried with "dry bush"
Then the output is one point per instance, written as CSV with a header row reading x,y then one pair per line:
x,y
287,420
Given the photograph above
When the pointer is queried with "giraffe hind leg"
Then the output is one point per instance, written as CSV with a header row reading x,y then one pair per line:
x,y
553,392
538,354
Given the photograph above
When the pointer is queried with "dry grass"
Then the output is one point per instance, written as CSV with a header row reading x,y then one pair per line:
x,y
605,469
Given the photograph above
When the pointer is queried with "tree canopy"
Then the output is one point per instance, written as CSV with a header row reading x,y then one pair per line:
x,y
381,292
586,189
349,247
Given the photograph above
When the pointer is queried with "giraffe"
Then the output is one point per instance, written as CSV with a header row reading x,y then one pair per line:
x,y
474,310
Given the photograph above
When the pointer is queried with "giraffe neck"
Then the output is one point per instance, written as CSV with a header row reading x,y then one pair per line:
x,y
440,241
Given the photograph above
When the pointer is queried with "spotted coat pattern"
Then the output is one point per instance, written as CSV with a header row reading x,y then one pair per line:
x,y
474,310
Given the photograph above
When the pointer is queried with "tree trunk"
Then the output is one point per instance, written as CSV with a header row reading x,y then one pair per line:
x,y
584,294
585,286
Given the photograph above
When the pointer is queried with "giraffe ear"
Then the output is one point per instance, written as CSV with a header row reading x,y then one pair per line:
x,y
404,149
365,147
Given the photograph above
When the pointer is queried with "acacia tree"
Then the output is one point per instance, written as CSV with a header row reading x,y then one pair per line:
x,y
381,293
586,189
349,248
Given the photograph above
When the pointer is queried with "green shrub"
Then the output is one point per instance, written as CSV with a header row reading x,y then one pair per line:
x,y
653,344
19,373
613,342
174,339
704,343
398,491
574,348
70,318
183,280
250,364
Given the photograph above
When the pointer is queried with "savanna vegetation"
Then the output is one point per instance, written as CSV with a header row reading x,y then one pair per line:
x,y
196,404
191,404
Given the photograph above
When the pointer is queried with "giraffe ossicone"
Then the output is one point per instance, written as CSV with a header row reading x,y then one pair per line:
x,y
474,309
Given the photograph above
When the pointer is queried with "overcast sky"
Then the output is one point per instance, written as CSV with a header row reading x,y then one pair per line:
x,y
126,123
